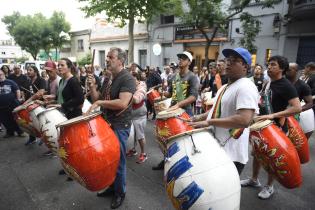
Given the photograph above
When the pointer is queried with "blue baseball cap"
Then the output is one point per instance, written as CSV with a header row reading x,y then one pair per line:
x,y
239,52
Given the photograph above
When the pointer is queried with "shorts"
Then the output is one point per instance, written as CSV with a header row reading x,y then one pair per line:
x,y
139,125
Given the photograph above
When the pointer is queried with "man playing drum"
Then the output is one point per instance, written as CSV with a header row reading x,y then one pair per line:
x,y
284,102
183,89
117,109
234,107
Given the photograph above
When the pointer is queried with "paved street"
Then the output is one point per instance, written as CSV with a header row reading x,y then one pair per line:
x,y
31,181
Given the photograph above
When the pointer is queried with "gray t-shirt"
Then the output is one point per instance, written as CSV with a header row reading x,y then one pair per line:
x,y
182,87
123,82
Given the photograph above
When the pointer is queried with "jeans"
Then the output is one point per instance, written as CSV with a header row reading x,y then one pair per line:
x,y
189,111
120,180
8,121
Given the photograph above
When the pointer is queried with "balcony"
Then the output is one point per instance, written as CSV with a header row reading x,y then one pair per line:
x,y
302,9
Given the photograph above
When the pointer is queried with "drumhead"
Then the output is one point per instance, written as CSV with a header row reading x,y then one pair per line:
x,y
188,133
168,114
46,110
79,119
260,125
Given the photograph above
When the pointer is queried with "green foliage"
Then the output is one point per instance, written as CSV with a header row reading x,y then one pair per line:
x,y
251,28
87,59
33,33
21,59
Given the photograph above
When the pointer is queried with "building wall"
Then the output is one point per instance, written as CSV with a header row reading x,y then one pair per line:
x,y
8,53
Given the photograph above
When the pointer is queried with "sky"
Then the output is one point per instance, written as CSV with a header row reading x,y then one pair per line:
x,y
29,7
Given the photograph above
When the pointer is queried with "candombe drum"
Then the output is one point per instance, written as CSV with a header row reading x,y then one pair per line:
x,y
153,94
89,151
199,175
170,123
274,150
162,104
298,138
48,119
307,122
25,116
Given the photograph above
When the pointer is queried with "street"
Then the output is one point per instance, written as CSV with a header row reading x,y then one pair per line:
x,y
30,180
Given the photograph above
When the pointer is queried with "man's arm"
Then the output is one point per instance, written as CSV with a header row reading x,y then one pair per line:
x,y
308,102
118,104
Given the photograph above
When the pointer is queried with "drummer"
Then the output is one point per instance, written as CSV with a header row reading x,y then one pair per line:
x,y
117,109
284,102
183,88
234,108
303,90
70,93
36,89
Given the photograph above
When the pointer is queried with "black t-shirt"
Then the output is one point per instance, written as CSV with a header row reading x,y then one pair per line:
x,y
311,83
22,81
32,88
259,83
123,82
302,89
8,90
282,91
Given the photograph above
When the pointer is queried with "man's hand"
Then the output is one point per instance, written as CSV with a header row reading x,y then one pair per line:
x,y
264,117
172,108
91,82
94,106
200,124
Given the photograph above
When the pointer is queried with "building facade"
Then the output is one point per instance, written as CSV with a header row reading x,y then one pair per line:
x,y
9,51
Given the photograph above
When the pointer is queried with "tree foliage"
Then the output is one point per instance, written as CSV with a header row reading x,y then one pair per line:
x,y
87,59
251,28
36,32
205,14
127,12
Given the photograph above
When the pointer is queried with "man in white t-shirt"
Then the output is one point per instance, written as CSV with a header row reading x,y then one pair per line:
x,y
239,102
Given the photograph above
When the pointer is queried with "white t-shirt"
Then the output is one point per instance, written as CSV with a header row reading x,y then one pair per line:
x,y
241,94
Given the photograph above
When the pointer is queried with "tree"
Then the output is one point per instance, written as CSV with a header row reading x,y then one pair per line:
x,y
26,31
208,15
87,59
251,28
127,12
59,28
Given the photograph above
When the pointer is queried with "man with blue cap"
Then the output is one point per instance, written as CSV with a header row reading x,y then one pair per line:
x,y
234,108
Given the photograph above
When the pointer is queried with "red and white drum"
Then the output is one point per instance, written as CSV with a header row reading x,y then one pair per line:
x,y
152,95
274,150
162,104
89,151
25,116
170,123
299,140
48,119
199,175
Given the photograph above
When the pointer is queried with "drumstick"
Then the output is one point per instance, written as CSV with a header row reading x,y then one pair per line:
x,y
35,87
27,90
130,102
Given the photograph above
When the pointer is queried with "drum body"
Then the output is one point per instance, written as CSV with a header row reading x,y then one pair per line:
x,y
307,120
48,120
152,95
171,123
274,150
27,121
199,175
89,151
299,140
161,105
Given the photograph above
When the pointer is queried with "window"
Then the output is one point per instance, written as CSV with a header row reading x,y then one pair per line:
x,y
3,53
80,45
268,55
102,58
166,61
167,19
143,58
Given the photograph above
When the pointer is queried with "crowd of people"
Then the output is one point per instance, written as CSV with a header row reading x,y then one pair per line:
x,y
235,86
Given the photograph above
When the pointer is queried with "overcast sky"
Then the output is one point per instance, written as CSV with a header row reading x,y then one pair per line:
x,y
29,7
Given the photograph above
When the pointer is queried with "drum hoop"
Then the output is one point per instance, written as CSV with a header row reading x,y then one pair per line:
x,y
46,110
186,133
78,119
165,114
159,101
19,108
150,91
263,124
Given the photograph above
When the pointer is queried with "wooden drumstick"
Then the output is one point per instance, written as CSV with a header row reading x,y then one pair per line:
x,y
27,90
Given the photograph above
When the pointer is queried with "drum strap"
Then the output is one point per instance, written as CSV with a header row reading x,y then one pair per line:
x,y
234,132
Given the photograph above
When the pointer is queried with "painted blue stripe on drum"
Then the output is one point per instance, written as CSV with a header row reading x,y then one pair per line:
x,y
189,195
179,168
172,150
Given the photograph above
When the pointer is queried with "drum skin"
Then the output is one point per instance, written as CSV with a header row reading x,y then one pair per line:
x,y
274,150
307,122
168,127
48,120
152,95
89,152
299,140
202,180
